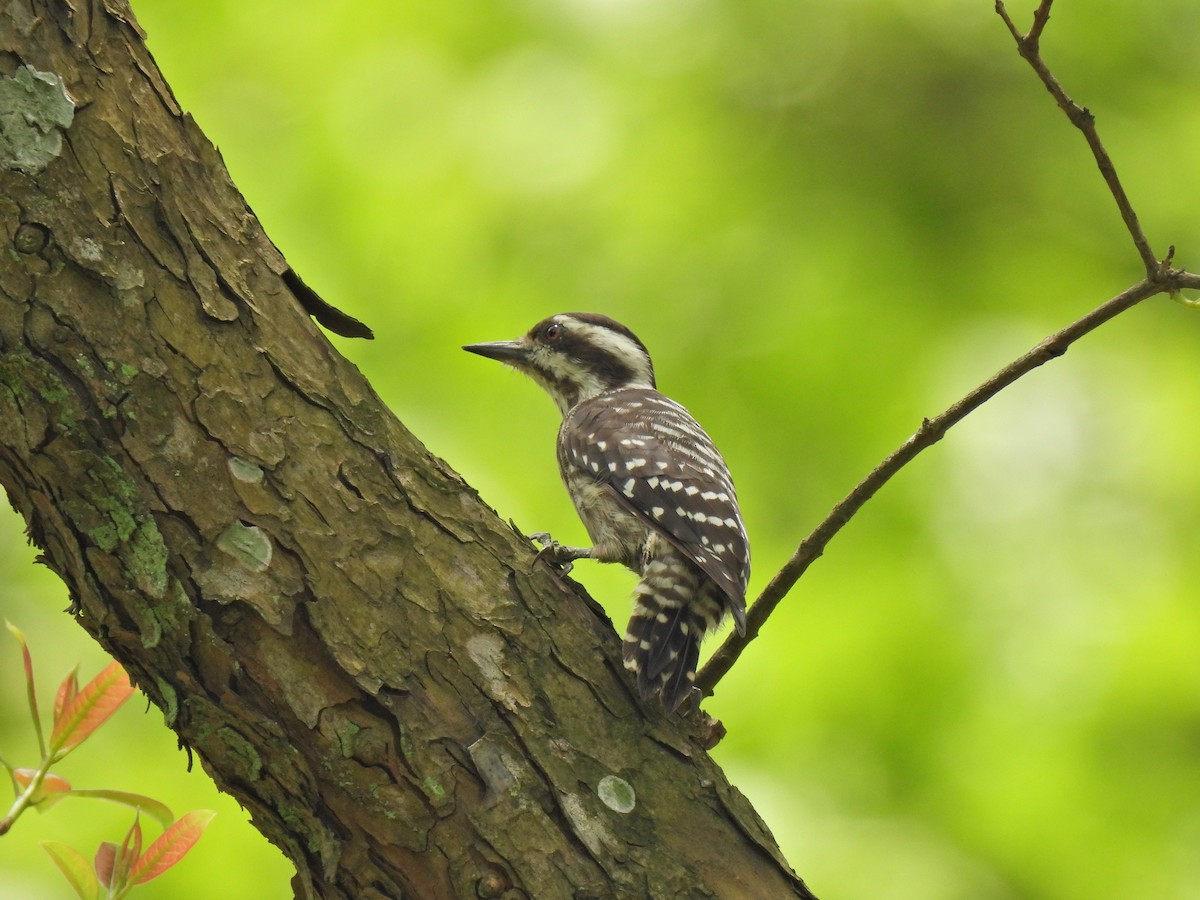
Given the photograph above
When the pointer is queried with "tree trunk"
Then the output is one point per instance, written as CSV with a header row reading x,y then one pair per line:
x,y
360,651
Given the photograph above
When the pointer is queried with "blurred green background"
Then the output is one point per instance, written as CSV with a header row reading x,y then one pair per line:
x,y
826,221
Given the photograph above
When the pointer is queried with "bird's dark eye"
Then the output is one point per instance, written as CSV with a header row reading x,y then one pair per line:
x,y
552,332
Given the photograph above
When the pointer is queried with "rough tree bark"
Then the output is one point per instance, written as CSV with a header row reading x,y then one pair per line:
x,y
360,651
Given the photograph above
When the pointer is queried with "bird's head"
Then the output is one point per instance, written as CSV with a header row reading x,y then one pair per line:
x,y
576,356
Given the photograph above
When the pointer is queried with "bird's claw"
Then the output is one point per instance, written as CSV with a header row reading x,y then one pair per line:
x,y
552,552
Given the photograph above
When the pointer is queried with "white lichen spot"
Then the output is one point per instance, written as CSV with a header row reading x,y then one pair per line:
x,y
248,544
245,470
35,111
617,794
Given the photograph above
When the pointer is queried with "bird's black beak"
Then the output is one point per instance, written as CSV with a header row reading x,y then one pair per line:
x,y
512,352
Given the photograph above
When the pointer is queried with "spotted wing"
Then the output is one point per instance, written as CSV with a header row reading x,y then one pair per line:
x,y
663,468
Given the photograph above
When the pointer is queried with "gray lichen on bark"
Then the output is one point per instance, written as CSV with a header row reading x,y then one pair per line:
x,y
35,110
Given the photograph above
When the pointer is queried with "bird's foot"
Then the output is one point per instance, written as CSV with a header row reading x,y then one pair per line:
x,y
558,555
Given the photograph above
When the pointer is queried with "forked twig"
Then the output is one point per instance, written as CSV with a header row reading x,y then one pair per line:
x,y
1160,277
1028,45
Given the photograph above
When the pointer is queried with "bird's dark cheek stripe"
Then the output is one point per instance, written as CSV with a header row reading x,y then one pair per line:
x,y
598,362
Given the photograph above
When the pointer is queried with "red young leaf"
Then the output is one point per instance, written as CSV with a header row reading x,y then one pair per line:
x,y
171,846
66,692
87,711
131,850
51,784
106,856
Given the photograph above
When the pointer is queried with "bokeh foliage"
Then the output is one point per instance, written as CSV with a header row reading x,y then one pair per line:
x,y
826,220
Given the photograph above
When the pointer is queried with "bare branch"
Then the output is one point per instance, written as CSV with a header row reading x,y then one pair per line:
x,y
1160,277
1081,118
930,432
1041,16
1016,33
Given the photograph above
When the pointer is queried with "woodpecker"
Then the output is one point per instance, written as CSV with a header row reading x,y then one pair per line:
x,y
652,490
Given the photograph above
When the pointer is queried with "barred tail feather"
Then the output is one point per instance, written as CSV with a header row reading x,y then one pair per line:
x,y
674,606
678,685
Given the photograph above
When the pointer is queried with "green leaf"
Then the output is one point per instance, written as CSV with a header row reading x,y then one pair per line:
x,y
157,810
171,846
91,706
75,869
29,688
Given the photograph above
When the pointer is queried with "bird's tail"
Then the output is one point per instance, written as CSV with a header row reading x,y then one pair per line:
x,y
675,605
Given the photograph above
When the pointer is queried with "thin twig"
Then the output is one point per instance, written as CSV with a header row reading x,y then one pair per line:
x,y
1081,118
930,432
1160,277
